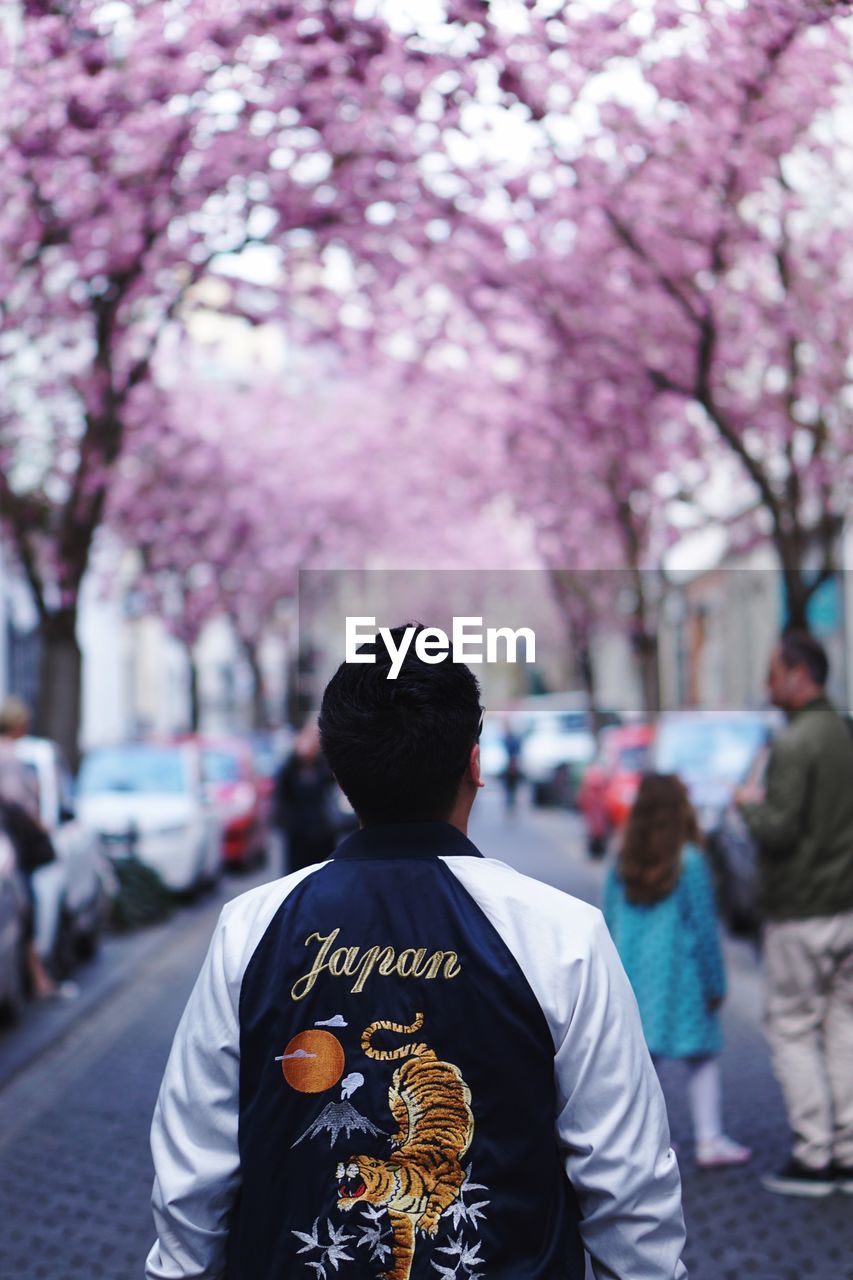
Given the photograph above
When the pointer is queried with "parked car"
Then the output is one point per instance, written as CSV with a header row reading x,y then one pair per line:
x,y
493,755
269,749
733,853
13,910
609,785
240,798
71,892
713,752
558,744
148,800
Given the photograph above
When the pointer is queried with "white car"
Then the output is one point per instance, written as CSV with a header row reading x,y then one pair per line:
x,y
556,747
13,909
493,752
148,800
71,893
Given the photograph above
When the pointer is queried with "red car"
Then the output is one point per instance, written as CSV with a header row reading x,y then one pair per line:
x,y
610,783
241,799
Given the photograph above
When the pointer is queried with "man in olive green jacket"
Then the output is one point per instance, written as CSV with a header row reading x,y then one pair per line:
x,y
804,828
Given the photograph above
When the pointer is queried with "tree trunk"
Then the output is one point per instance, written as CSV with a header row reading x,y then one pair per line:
x,y
584,665
260,718
646,649
796,598
194,692
60,681
644,642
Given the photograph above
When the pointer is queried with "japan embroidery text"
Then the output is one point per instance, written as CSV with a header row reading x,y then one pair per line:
x,y
359,964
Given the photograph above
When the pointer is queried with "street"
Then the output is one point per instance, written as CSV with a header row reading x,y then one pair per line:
x,y
529,320
74,1163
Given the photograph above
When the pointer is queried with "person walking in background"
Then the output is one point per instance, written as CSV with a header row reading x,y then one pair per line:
x,y
659,906
804,829
19,818
512,775
303,799
15,783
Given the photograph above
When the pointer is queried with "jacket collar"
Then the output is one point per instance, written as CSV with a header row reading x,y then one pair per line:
x,y
407,840
820,703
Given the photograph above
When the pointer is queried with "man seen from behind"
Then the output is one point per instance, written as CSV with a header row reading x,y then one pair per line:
x,y
411,1059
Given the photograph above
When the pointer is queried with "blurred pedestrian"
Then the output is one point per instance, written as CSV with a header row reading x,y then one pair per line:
x,y
15,781
659,906
20,819
304,795
512,775
803,825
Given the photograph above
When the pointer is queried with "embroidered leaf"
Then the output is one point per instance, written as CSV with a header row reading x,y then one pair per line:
x,y
470,1256
318,1267
455,1246
374,1236
457,1213
312,1241
447,1273
337,1235
473,1211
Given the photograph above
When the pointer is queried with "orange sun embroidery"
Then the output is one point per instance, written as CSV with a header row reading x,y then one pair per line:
x,y
313,1061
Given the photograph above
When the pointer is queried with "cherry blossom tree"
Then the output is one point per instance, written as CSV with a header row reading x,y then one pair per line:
x,y
573,441
348,474
146,146
681,243
672,295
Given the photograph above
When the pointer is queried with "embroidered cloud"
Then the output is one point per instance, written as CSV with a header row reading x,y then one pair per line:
x,y
297,1053
350,1083
337,1021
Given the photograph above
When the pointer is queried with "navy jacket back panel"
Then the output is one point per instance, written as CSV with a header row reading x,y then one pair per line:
x,y
332,1179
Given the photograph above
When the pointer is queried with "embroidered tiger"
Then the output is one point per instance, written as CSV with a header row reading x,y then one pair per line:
x,y
431,1105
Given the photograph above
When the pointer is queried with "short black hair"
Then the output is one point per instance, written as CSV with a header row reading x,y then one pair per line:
x,y
801,649
399,748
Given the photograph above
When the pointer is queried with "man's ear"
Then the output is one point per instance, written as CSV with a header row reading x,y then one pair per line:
x,y
474,772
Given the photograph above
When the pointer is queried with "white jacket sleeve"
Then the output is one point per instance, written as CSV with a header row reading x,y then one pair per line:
x,y
613,1128
611,1120
194,1132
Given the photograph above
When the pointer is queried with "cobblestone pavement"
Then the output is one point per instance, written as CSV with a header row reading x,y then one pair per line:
x,y
75,1173
74,1165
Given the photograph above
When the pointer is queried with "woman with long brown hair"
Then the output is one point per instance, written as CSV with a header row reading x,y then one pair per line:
x,y
659,907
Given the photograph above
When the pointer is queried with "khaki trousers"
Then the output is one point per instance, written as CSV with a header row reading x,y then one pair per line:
x,y
809,1025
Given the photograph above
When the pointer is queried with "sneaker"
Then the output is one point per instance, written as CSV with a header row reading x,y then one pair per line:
x,y
720,1152
798,1179
843,1175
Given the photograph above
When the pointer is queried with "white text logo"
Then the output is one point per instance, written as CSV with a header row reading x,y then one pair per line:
x,y
468,642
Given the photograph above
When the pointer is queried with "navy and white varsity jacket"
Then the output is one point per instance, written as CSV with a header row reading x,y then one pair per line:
x,y
409,1062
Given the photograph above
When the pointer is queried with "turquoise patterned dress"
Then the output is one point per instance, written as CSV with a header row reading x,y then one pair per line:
x,y
672,955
